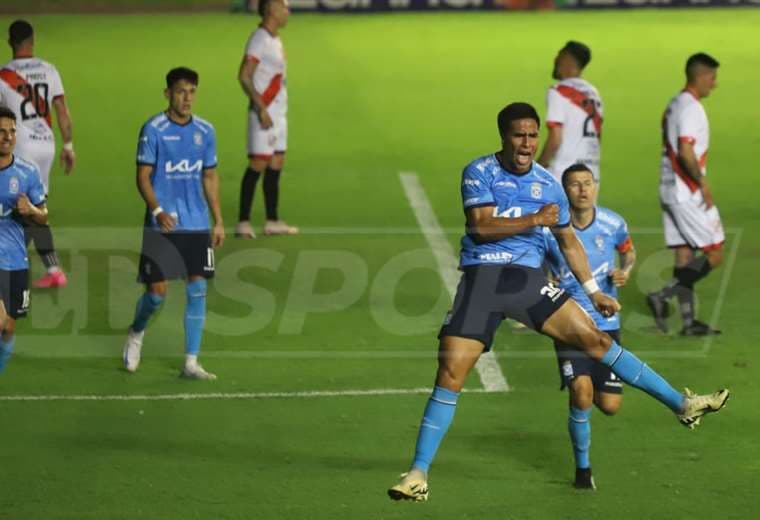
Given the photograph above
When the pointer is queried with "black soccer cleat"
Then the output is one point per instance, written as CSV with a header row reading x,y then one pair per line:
x,y
660,310
698,328
584,479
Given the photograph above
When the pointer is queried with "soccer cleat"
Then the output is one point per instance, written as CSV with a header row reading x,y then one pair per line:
x,y
660,310
51,281
279,227
244,230
196,372
698,328
695,406
584,479
412,486
132,348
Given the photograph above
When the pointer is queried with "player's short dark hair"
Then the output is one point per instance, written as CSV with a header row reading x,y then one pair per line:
x,y
700,58
19,31
579,51
180,73
262,7
513,112
7,113
577,167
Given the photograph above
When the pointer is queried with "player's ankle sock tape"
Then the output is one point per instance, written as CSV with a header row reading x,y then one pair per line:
x,y
579,427
146,306
247,189
634,372
271,192
438,415
6,349
195,315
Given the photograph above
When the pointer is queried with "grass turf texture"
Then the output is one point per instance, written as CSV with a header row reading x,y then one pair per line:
x,y
370,96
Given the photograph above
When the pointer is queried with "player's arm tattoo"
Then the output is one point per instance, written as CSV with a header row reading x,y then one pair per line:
x,y
628,260
688,160
245,77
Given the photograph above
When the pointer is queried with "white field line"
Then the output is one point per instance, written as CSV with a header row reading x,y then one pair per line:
x,y
488,368
723,287
220,396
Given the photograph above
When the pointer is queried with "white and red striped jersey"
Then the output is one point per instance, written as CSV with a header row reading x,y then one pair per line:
x,y
269,77
575,104
28,86
685,119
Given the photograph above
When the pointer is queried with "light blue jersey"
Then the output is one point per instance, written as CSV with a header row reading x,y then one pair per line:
x,y
606,234
19,177
486,183
178,154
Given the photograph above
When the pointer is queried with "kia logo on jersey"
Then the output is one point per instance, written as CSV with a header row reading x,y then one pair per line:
x,y
184,166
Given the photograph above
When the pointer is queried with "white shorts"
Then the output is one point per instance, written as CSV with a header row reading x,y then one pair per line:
x,y
262,143
41,154
688,223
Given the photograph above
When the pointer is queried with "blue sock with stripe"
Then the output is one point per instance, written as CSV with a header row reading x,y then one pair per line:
x,y
146,306
579,426
438,415
633,371
195,315
6,349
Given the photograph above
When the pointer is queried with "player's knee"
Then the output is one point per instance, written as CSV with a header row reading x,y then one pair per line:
x,y
257,164
582,392
158,289
594,342
715,257
609,406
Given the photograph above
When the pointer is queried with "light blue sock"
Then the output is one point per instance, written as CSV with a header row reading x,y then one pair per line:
x,y
146,306
579,426
6,349
195,315
435,422
634,372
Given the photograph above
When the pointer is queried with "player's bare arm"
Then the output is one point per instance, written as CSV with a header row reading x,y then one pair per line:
x,y
165,221
211,189
552,144
621,274
62,115
245,77
575,255
32,213
687,158
483,226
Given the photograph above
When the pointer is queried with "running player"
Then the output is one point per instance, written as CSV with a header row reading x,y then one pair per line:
x,y
262,76
177,179
508,199
22,198
602,233
31,87
573,115
690,216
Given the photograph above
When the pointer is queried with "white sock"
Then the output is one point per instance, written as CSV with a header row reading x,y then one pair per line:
x,y
53,269
191,360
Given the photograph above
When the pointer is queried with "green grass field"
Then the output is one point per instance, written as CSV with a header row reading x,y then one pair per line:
x,y
354,302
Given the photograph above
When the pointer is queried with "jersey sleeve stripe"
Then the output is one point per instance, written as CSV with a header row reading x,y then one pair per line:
x,y
625,246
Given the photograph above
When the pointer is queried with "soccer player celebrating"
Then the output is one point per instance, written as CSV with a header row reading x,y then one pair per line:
x,y
177,179
602,232
30,87
262,76
508,200
22,198
690,216
574,115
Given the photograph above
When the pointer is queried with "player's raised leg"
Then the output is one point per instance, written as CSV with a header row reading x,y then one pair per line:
x,y
456,358
570,324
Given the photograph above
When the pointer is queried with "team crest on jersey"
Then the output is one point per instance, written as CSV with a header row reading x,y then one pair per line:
x,y
13,186
599,241
198,139
535,190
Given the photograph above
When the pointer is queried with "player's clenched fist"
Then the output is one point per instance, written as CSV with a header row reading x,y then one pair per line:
x,y
165,221
548,215
606,305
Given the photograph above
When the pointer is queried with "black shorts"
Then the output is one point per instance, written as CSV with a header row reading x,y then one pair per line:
x,y
573,363
175,256
14,290
487,294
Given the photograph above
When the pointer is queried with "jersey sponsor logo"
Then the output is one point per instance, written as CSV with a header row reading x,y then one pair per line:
x,y
184,166
5,212
471,200
171,138
513,212
471,182
198,139
495,257
13,186
536,190
505,184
